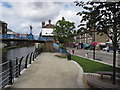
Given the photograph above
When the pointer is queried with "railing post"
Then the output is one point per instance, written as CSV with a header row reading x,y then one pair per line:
x,y
16,67
37,53
26,61
20,65
33,56
30,58
11,76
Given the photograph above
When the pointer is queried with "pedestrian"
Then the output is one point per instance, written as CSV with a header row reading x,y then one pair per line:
x,y
76,47
73,51
86,55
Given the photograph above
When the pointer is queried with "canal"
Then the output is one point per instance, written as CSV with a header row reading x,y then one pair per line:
x,y
17,52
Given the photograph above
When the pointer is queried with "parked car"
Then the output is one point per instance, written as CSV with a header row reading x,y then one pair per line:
x,y
119,51
106,49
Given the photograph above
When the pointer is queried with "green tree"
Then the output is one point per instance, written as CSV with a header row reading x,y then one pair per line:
x,y
64,31
104,17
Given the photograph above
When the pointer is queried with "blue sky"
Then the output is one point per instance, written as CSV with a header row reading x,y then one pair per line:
x,y
6,4
19,15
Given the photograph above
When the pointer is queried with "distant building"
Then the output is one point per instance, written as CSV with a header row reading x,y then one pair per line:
x,y
3,27
9,31
49,25
47,30
87,38
46,34
0,27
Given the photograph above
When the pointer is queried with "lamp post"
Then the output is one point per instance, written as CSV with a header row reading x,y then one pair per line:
x,y
93,31
31,29
94,46
31,32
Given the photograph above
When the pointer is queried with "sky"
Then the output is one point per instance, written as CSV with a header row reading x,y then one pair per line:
x,y
19,15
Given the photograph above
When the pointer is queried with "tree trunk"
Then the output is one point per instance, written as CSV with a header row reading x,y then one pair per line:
x,y
94,46
94,52
114,59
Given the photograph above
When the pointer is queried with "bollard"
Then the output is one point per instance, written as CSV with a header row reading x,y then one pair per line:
x,y
68,56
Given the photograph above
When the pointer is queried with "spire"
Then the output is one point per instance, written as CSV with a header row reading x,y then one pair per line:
x,y
49,21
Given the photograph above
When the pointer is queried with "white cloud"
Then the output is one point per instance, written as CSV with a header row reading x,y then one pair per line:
x,y
70,16
37,11
23,14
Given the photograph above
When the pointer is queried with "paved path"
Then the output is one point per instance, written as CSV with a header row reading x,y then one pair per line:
x,y
49,71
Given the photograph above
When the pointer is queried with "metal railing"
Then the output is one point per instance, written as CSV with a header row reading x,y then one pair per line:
x,y
29,37
13,36
12,68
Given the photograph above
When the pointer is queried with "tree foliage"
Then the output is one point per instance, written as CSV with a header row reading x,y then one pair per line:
x,y
64,31
104,17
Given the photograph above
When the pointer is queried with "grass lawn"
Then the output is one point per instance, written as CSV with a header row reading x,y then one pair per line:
x,y
90,66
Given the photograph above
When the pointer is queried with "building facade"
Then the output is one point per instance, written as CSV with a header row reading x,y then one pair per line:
x,y
87,39
49,25
46,34
94,37
3,27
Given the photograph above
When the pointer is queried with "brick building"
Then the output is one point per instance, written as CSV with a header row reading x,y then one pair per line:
x,y
87,38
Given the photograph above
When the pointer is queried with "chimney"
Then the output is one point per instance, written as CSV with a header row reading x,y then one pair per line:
x,y
49,21
43,24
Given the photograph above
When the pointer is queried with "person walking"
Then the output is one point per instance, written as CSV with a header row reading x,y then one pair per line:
x,y
86,55
73,51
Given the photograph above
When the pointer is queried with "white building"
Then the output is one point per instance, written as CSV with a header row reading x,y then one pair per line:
x,y
10,31
47,32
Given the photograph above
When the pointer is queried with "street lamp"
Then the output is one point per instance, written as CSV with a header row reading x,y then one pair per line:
x,y
31,29
93,43
94,46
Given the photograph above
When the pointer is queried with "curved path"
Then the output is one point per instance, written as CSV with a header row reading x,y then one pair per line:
x,y
49,71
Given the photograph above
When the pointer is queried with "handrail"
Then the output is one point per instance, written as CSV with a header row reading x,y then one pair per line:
x,y
8,36
4,75
29,37
14,71
5,63
4,71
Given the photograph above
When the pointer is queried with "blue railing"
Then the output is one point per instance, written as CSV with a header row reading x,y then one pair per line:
x,y
12,36
30,37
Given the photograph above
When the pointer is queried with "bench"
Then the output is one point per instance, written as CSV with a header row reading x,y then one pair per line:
x,y
107,73
95,82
